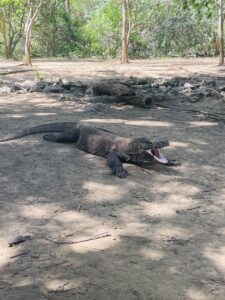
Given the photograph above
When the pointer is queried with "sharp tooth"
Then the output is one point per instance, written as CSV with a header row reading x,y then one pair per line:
x,y
149,151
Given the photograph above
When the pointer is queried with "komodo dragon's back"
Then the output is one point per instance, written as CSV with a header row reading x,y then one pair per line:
x,y
52,127
101,142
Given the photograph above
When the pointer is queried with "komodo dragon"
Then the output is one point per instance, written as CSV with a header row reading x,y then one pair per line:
x,y
101,142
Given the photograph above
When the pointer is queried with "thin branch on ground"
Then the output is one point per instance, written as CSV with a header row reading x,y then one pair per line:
x,y
19,254
95,237
15,71
215,117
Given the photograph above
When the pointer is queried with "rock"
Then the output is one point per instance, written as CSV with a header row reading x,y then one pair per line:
x,y
4,82
221,88
208,83
223,95
77,92
100,106
166,82
175,91
142,81
89,108
39,86
186,91
129,82
89,90
65,82
220,82
164,88
212,93
5,90
21,91
188,86
26,85
57,81
54,89
175,82
158,82
199,94
193,99
147,86
16,86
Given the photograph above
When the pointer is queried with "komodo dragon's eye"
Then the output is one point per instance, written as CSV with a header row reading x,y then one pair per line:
x,y
146,144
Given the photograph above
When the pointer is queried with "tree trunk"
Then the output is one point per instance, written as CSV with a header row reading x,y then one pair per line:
x,y
221,32
125,31
68,7
7,50
28,28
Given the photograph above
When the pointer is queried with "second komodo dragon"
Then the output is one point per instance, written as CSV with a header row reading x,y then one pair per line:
x,y
101,142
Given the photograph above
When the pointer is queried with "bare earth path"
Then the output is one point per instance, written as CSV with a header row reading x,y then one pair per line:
x,y
165,227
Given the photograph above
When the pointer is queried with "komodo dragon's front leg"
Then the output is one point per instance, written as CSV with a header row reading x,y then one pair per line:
x,y
114,160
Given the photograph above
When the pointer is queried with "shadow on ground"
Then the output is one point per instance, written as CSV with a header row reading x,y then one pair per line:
x,y
166,226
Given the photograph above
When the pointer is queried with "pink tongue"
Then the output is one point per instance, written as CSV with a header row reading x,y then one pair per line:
x,y
156,153
161,158
158,156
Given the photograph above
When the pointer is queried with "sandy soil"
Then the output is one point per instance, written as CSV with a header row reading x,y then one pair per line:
x,y
166,226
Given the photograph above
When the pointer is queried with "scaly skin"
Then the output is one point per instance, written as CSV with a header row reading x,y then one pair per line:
x,y
98,141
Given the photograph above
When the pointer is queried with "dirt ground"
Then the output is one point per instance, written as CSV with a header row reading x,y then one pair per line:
x,y
163,228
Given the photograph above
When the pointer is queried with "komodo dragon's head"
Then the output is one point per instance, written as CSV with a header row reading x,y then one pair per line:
x,y
143,150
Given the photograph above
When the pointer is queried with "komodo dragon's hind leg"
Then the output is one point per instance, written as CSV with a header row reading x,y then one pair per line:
x,y
68,136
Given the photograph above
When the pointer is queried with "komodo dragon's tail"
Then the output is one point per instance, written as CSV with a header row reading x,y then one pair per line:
x,y
52,127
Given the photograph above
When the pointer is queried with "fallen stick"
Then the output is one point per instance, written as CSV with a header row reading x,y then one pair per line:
x,y
95,237
19,254
184,210
142,168
63,290
14,71
53,265
215,117
194,207
146,171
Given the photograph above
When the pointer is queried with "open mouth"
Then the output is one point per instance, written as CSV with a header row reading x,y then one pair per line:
x,y
158,156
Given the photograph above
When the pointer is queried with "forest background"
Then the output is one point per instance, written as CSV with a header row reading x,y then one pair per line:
x,y
85,29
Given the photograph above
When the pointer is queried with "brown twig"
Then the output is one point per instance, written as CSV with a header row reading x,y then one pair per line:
x,y
95,237
62,290
143,169
14,71
215,117
54,265
19,254
194,207
146,171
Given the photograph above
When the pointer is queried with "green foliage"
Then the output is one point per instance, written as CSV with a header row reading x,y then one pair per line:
x,y
165,28
12,19
157,28
202,7
54,33
102,31
38,75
